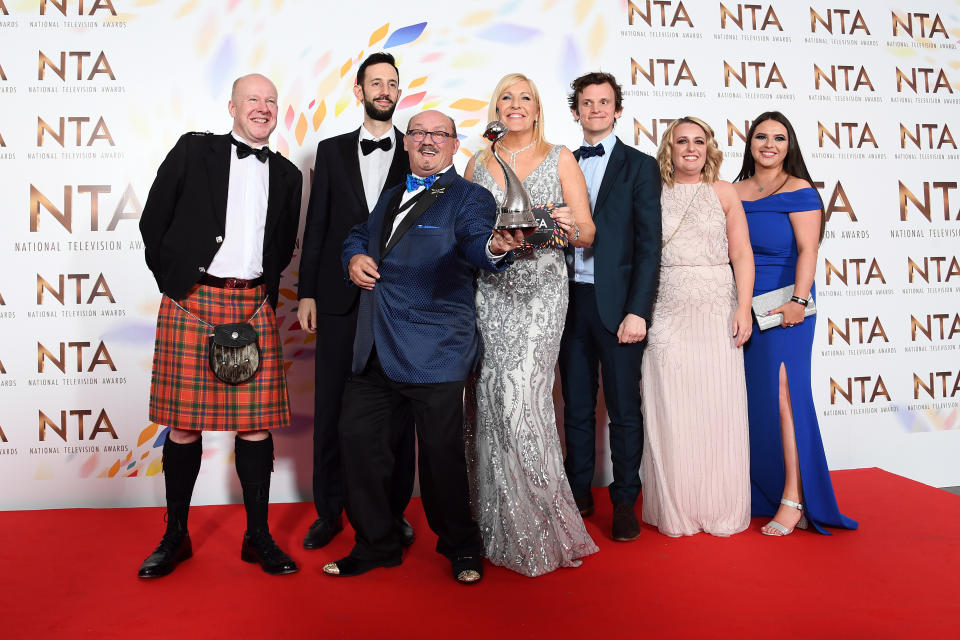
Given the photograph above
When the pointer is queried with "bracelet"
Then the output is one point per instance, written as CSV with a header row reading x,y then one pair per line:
x,y
577,236
798,300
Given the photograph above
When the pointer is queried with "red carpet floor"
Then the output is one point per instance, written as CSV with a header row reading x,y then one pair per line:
x,y
72,573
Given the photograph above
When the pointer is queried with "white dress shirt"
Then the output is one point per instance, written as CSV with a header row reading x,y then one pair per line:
x,y
375,167
241,251
580,259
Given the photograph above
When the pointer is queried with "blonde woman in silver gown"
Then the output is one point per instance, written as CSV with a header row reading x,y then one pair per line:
x,y
695,469
519,491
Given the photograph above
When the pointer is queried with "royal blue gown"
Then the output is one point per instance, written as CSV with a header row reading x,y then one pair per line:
x,y
775,254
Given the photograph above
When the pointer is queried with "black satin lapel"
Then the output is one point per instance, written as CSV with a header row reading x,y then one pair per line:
x,y
351,164
381,237
611,175
400,165
217,162
275,193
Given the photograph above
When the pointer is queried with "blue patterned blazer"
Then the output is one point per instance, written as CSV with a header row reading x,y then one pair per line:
x,y
421,314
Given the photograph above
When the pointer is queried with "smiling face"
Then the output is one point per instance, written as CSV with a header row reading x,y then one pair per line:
x,y
769,144
596,111
688,152
253,106
518,108
380,91
427,157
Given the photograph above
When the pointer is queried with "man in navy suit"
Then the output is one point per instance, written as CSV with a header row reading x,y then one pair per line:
x,y
415,261
612,289
351,172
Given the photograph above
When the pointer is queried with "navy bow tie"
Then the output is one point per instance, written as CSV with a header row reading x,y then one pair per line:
x,y
415,182
244,150
589,152
369,146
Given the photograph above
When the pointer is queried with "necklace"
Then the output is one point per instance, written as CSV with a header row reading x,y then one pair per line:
x,y
514,154
760,189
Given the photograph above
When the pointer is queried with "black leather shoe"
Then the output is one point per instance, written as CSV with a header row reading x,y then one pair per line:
x,y
259,548
349,566
321,532
585,504
405,529
173,549
625,524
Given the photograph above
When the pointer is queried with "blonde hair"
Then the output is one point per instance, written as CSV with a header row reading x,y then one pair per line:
x,y
711,168
540,142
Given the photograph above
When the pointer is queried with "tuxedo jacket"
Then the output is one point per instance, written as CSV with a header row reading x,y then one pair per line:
x,y
421,314
184,218
337,204
626,258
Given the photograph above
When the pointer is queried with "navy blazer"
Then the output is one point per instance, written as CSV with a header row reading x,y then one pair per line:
x,y
184,219
626,259
337,203
421,313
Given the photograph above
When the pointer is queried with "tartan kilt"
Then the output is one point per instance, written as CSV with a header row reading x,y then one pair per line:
x,y
184,393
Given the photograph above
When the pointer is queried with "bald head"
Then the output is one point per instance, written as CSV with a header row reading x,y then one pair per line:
x,y
427,156
253,105
453,125
239,83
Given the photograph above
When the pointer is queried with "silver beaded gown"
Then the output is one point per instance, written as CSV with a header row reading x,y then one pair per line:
x,y
519,492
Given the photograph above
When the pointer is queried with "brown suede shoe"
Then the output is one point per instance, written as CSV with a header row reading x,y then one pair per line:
x,y
625,524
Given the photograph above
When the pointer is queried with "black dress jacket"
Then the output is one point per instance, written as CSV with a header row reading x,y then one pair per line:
x,y
337,203
626,258
184,218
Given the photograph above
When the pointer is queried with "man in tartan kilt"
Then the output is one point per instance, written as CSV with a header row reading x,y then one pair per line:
x,y
219,226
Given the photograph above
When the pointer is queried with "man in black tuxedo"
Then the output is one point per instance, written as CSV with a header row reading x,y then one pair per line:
x,y
219,226
612,289
351,172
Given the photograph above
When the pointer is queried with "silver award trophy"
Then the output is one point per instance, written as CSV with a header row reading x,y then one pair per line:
x,y
515,211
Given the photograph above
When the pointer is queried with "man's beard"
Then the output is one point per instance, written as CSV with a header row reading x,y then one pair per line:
x,y
374,111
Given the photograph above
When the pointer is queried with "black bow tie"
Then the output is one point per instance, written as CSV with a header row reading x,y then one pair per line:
x,y
244,150
589,152
368,146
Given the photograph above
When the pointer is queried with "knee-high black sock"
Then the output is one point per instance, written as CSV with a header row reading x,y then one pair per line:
x,y
181,466
254,460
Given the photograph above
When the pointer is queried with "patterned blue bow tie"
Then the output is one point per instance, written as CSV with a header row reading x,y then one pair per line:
x,y
589,152
415,182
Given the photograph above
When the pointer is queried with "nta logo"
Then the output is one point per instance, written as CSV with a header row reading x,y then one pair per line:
x,y
127,207
100,65
668,15
857,23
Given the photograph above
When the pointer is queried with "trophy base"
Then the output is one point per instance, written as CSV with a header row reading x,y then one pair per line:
x,y
511,219
523,226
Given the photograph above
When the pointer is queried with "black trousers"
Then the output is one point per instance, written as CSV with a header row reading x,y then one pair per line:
x,y
334,356
372,443
585,346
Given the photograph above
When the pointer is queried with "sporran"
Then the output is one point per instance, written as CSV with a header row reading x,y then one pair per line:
x,y
233,350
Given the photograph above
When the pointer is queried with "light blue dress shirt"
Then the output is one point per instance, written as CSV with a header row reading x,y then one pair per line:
x,y
580,260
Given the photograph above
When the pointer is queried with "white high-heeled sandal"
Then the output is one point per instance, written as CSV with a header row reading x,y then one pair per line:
x,y
782,530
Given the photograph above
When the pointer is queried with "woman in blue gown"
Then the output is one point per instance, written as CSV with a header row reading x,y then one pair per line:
x,y
788,469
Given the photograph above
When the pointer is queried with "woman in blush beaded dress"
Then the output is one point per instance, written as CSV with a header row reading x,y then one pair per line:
x,y
788,468
695,465
520,494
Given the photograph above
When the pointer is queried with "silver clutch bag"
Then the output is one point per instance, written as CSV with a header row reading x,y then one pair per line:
x,y
773,299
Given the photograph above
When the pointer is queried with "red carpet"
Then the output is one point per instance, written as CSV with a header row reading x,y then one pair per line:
x,y
72,573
